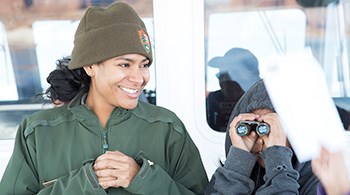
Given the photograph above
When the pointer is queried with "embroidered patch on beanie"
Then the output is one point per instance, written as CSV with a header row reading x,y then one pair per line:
x,y
144,40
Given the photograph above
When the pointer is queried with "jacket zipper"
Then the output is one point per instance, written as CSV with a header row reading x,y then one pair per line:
x,y
105,145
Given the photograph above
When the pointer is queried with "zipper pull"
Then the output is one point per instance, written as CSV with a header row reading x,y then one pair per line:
x,y
105,145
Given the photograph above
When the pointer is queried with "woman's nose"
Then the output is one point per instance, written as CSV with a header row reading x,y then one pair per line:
x,y
135,75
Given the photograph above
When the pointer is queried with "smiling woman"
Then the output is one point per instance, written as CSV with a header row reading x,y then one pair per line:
x,y
29,30
104,140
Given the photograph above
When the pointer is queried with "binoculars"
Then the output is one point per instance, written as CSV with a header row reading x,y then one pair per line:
x,y
244,128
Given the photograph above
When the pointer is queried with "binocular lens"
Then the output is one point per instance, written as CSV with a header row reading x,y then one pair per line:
x,y
242,129
263,129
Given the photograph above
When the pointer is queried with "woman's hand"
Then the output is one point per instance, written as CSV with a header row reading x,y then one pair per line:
x,y
330,168
115,169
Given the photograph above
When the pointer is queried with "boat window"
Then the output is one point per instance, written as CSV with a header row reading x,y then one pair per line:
x,y
242,35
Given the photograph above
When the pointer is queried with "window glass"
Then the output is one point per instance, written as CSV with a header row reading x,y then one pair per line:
x,y
7,78
30,44
241,35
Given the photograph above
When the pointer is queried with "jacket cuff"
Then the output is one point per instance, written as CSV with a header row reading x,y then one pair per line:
x,y
91,176
240,161
136,183
278,158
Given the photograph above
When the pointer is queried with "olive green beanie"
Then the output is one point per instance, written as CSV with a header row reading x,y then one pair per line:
x,y
105,33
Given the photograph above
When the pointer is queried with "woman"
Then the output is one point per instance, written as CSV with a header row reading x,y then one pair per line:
x,y
260,163
105,141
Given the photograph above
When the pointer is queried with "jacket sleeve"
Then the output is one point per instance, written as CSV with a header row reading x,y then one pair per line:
x,y
280,177
186,174
21,175
307,179
234,176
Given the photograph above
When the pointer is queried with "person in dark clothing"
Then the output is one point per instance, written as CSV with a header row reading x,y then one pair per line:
x,y
238,70
221,102
260,164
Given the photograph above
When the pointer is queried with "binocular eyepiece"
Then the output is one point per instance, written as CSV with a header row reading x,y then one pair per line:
x,y
244,128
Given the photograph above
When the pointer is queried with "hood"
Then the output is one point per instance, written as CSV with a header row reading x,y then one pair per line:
x,y
255,98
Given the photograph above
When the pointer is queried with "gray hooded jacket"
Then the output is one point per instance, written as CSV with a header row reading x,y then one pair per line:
x,y
241,174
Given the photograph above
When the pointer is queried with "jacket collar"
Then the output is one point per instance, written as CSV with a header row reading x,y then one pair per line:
x,y
83,112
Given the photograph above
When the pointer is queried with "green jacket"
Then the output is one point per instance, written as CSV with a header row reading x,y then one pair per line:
x,y
59,146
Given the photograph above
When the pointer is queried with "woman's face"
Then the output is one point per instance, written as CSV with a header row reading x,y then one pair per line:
x,y
119,81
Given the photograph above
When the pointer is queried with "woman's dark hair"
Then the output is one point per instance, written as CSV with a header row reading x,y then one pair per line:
x,y
65,84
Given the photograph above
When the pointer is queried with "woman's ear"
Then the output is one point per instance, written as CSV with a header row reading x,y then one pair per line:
x,y
89,71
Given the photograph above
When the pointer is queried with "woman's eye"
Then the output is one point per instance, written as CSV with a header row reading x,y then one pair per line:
x,y
124,65
145,65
